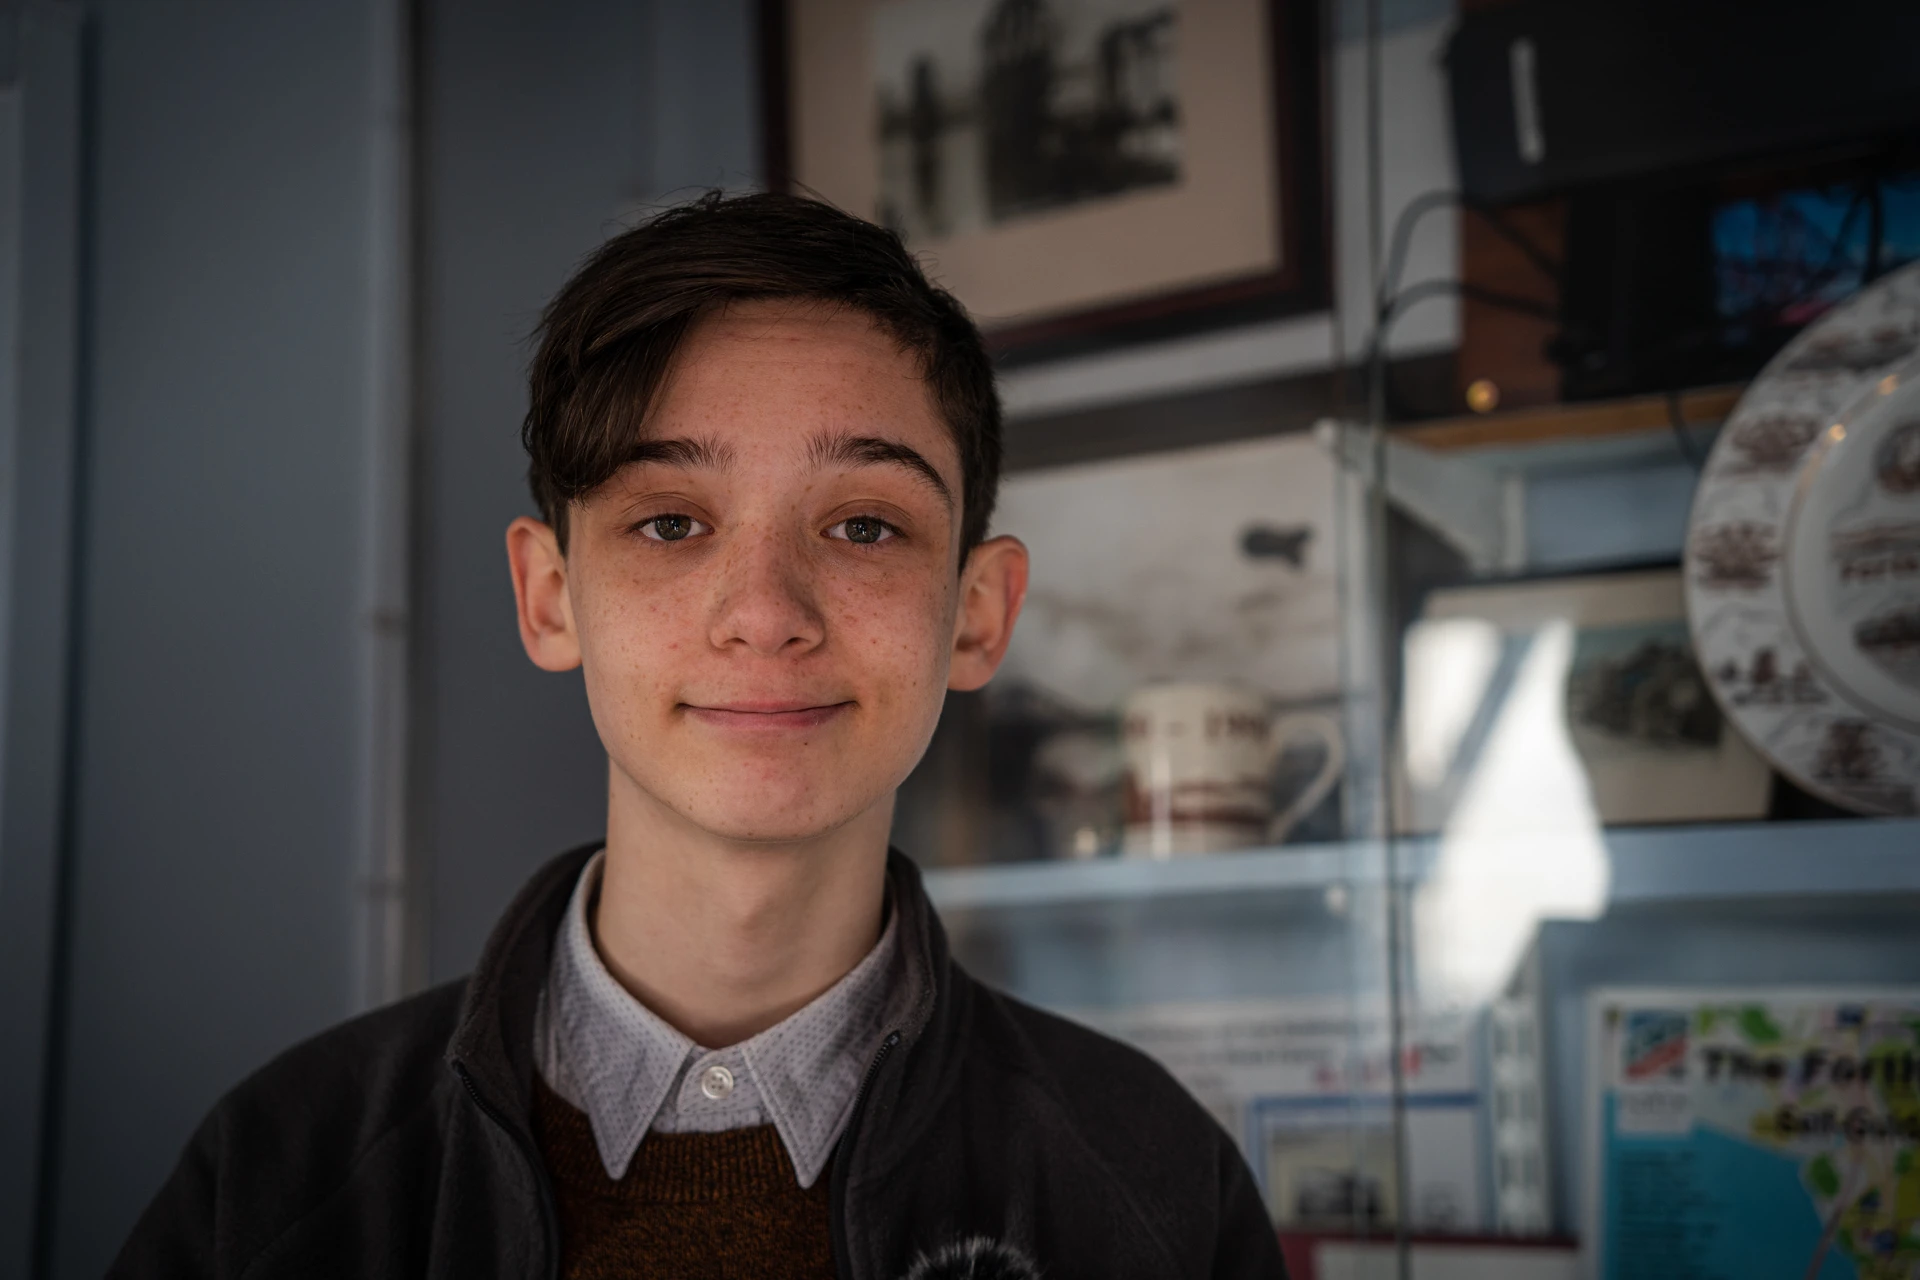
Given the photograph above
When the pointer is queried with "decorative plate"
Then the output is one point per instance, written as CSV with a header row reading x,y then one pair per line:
x,y
1803,555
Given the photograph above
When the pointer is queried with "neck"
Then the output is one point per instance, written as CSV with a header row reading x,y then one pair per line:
x,y
724,938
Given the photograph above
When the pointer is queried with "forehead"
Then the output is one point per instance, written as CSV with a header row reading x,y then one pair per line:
x,y
797,366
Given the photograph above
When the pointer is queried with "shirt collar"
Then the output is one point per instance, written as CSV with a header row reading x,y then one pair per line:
x,y
610,1055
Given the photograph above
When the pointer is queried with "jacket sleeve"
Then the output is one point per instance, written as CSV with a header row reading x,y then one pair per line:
x,y
178,1235
1248,1246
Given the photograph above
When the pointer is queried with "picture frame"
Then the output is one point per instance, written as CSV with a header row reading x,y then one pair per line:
x,y
1199,202
1544,702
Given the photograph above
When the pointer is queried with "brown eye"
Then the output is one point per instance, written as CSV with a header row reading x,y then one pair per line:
x,y
670,528
865,530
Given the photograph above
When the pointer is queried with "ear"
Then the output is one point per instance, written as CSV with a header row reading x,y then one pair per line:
x,y
993,583
540,592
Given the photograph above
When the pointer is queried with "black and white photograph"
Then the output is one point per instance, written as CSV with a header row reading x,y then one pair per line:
x,y
991,110
1638,687
1074,168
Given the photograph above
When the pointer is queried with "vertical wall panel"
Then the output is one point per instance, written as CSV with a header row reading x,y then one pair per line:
x,y
215,842
40,109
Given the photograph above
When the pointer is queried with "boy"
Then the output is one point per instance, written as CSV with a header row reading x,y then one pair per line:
x,y
730,1041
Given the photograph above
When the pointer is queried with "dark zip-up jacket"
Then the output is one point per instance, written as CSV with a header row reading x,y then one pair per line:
x,y
399,1143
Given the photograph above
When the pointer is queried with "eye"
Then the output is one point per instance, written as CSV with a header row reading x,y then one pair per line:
x,y
865,530
671,528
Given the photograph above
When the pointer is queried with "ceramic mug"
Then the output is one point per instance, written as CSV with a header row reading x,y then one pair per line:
x,y
1199,769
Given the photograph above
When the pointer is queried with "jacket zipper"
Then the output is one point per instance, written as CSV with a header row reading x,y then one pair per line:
x,y
549,1216
842,1257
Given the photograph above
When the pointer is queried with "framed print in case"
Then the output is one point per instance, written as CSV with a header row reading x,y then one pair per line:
x,y
1077,172
1545,703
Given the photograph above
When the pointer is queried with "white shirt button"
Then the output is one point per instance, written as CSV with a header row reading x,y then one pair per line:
x,y
716,1082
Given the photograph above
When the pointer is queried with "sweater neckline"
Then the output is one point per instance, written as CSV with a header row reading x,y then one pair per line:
x,y
668,1168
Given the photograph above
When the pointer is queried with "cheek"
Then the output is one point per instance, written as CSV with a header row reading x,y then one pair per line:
x,y
903,628
630,630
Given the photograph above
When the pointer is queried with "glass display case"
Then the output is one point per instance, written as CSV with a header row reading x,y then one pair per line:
x,y
1379,781
1367,780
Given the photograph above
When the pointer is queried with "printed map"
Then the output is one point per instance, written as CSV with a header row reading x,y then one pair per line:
x,y
1757,1134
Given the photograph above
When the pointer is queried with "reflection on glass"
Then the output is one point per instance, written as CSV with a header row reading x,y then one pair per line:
x,y
1449,664
1521,844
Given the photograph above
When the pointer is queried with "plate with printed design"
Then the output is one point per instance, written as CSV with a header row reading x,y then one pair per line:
x,y
1803,555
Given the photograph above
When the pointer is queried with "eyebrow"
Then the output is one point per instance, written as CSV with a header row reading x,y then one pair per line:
x,y
697,453
690,454
868,451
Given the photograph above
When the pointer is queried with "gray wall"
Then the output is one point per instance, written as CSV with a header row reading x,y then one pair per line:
x,y
40,102
213,840
545,128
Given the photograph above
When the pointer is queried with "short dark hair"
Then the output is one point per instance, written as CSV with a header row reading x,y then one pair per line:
x,y
608,338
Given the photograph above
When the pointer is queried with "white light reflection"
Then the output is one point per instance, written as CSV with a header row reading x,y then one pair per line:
x,y
1523,843
1449,661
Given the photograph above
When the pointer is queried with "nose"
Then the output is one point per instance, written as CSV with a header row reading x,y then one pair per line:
x,y
765,600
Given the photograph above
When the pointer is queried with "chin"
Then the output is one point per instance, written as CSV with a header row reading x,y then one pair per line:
x,y
783,808
761,825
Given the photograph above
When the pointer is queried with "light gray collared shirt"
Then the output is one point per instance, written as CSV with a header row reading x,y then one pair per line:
x,y
618,1061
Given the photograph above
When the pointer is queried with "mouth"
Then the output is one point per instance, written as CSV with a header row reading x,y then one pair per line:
x,y
764,716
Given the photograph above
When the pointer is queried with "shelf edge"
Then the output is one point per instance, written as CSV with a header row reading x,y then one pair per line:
x,y
1652,864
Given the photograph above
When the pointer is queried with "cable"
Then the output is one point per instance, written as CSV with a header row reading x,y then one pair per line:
x,y
1400,303
1543,262
1420,206
1393,301
1413,293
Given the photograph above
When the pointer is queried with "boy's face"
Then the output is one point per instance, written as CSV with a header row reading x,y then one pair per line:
x,y
769,607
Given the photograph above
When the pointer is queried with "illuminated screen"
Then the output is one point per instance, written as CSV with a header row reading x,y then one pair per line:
x,y
1783,259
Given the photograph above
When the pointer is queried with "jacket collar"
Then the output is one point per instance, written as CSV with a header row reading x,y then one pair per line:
x,y
492,1043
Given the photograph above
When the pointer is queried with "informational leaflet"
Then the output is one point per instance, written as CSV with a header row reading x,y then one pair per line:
x,y
1739,1133
1305,1087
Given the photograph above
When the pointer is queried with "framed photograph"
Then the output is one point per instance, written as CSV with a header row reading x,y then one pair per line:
x,y
1301,1084
1077,172
1544,703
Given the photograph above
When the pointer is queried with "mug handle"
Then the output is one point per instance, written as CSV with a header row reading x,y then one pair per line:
x,y
1324,728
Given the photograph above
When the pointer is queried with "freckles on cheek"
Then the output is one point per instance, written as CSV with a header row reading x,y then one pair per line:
x,y
635,629
645,614
901,631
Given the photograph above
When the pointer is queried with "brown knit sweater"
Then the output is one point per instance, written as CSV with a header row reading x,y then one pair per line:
x,y
700,1206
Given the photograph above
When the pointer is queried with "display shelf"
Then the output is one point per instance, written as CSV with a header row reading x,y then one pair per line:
x,y
1551,424
1780,859
1300,868
1575,455
1645,865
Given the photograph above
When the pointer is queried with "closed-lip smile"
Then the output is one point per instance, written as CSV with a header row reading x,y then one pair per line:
x,y
763,715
